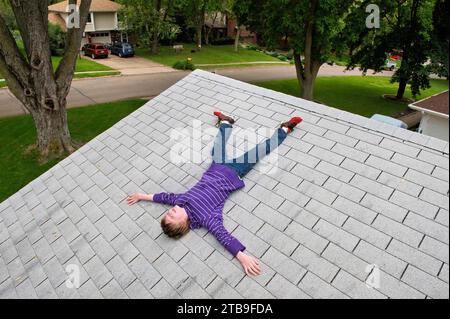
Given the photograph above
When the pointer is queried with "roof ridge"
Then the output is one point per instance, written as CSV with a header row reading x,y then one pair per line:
x,y
428,142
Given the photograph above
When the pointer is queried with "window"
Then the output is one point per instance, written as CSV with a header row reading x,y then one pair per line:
x,y
100,34
90,18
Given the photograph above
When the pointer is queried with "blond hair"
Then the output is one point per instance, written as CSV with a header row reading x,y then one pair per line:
x,y
175,231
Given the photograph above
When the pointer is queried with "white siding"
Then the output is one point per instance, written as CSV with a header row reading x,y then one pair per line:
x,y
435,126
105,21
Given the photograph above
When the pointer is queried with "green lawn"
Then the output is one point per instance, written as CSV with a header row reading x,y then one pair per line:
x,y
16,133
212,54
83,65
96,75
355,94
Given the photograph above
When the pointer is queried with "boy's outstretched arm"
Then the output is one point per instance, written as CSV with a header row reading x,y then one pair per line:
x,y
234,246
161,198
137,197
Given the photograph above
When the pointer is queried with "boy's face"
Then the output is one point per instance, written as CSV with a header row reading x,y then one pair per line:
x,y
176,215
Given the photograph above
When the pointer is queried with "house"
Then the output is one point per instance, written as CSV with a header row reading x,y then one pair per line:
x,y
435,121
245,35
103,25
222,25
354,208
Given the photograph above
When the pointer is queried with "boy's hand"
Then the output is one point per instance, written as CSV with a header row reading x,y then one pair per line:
x,y
249,263
133,199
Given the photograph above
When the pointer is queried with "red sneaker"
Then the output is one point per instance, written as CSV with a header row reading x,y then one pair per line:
x,y
293,122
223,117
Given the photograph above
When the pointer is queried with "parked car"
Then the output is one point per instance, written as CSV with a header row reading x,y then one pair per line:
x,y
396,55
122,49
390,65
95,50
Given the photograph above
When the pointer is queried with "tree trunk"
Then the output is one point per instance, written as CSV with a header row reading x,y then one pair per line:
x,y
401,89
307,71
155,44
33,81
207,33
199,37
236,40
53,136
155,40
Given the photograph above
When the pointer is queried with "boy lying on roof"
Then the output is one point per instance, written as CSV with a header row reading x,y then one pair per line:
x,y
202,205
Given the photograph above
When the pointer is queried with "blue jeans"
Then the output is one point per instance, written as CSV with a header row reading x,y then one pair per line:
x,y
245,163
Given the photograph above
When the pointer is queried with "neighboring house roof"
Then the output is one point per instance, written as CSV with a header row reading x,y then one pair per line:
x,y
96,6
349,193
55,18
436,104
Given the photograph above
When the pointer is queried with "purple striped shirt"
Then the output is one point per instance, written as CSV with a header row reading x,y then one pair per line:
x,y
205,201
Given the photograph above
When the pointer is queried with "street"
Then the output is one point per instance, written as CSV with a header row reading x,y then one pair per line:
x,y
108,89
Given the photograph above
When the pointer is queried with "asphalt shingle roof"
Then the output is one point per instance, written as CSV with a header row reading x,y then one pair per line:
x,y
349,193
96,6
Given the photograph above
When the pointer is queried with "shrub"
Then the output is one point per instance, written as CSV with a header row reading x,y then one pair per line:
x,y
282,58
272,54
183,65
253,47
57,39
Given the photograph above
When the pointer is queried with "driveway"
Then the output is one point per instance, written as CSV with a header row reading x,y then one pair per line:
x,y
133,65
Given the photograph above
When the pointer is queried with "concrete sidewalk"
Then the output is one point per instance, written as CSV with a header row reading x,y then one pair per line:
x,y
107,89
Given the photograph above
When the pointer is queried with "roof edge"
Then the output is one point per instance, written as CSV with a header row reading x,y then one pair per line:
x,y
427,111
321,109
418,108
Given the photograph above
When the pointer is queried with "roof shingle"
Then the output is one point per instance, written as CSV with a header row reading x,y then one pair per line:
x,y
335,215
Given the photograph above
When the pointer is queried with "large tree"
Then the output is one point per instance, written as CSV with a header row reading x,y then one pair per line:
x,y
313,28
195,12
31,77
440,39
151,20
239,11
406,26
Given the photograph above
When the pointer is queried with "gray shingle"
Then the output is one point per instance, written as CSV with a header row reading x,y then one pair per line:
x,y
400,184
343,189
277,239
319,289
435,248
219,289
282,288
284,265
336,235
427,227
225,269
250,289
354,287
120,271
384,207
427,284
328,213
414,257
314,263
355,210
389,262
306,237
